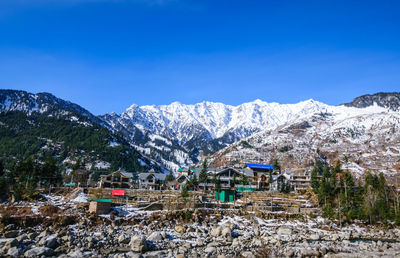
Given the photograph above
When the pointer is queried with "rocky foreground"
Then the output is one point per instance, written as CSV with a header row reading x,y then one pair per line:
x,y
207,233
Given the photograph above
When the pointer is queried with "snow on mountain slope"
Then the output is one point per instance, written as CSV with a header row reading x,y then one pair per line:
x,y
175,134
218,118
39,124
365,139
42,103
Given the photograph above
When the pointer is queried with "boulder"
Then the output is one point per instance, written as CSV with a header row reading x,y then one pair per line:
x,y
179,229
39,251
138,244
284,231
22,237
210,250
226,232
12,242
248,255
14,252
236,242
155,236
11,234
315,237
123,239
216,232
32,235
76,254
334,237
51,242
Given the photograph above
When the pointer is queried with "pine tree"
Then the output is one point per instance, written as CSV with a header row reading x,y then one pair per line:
x,y
194,180
244,179
50,173
315,180
275,164
184,192
325,189
203,174
1,168
170,176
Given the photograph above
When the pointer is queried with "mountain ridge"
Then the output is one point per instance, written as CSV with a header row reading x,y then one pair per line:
x,y
42,124
390,100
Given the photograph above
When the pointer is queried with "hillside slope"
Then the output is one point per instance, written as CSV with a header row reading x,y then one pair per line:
x,y
177,134
39,125
364,139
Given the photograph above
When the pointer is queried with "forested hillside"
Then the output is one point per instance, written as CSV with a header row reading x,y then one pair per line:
x,y
42,126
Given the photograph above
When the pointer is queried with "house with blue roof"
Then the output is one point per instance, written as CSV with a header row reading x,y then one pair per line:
x,y
262,175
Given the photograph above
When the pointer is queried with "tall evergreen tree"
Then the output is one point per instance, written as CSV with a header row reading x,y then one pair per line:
x,y
315,181
244,179
276,165
170,176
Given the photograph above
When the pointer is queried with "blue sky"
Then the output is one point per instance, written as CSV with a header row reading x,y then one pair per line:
x,y
108,54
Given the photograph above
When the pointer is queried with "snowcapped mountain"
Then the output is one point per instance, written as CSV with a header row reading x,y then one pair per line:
x,y
364,139
41,124
364,133
41,103
176,134
382,99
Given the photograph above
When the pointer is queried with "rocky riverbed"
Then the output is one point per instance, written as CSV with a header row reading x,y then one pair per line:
x,y
61,227
198,234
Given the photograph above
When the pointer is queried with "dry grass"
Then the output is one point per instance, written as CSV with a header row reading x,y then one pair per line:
x,y
16,211
49,210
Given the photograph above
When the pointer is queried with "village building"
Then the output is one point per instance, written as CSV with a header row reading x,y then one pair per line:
x,y
178,182
152,181
300,179
228,177
186,171
117,179
280,180
261,175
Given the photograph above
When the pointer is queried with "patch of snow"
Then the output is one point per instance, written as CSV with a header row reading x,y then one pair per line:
x,y
82,197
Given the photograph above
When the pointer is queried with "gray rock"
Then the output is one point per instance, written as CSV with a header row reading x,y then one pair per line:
x,y
315,237
14,252
284,231
123,239
39,251
11,234
248,255
138,244
33,235
76,254
22,237
216,232
227,232
155,236
133,255
11,243
236,242
51,242
210,250
61,249
309,253
334,237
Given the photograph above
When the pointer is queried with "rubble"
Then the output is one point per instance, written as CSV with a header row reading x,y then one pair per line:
x,y
219,232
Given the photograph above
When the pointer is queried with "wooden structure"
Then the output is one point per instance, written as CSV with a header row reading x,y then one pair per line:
x,y
152,181
117,179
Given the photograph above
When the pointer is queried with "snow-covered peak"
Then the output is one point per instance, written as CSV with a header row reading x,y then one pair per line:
x,y
218,118
175,133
